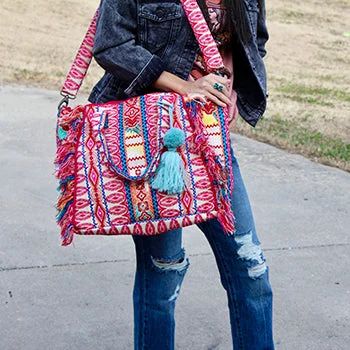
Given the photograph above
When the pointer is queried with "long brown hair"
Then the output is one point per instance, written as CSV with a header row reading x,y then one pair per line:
x,y
237,15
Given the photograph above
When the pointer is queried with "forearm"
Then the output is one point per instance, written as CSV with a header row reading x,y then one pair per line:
x,y
204,87
170,83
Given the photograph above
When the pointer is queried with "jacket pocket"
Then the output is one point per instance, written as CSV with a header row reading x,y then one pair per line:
x,y
159,24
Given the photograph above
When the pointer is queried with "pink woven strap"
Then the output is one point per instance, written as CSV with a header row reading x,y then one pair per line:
x,y
81,62
200,29
203,35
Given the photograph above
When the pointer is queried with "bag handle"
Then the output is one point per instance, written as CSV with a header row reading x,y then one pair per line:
x,y
81,63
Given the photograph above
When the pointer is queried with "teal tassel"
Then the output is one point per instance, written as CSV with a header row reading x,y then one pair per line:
x,y
171,176
62,134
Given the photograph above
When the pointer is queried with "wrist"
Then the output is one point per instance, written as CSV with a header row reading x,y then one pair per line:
x,y
183,87
171,82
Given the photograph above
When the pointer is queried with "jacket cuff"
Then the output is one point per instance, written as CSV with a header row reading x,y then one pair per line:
x,y
148,75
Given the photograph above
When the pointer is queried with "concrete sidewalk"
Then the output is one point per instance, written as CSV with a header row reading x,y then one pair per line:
x,y
79,297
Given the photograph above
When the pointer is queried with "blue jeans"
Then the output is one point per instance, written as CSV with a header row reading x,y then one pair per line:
x,y
161,267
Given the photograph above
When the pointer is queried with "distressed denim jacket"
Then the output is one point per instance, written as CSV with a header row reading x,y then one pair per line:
x,y
136,40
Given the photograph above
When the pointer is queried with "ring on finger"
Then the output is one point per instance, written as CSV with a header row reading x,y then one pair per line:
x,y
218,86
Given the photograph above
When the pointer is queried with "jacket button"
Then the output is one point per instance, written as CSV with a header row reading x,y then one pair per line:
x,y
159,12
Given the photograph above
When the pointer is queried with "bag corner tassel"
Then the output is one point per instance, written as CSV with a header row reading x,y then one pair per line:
x,y
226,217
69,124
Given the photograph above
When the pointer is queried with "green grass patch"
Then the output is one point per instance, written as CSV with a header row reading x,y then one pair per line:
x,y
313,94
311,100
289,134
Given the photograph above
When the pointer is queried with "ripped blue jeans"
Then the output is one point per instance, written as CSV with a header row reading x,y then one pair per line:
x,y
161,267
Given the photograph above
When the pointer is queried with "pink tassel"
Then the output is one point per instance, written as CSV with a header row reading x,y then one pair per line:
x,y
71,122
226,217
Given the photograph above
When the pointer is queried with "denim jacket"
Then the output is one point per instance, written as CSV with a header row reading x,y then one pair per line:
x,y
136,40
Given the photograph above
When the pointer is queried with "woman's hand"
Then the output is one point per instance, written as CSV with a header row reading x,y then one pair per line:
x,y
203,86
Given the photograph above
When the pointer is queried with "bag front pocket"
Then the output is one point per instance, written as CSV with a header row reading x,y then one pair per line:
x,y
130,133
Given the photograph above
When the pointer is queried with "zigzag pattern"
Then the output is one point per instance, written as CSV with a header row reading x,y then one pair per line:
x,y
131,136
136,158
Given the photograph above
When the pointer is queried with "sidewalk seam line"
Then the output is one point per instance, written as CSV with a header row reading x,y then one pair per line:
x,y
43,267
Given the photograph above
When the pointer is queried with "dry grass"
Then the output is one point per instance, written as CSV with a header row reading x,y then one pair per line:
x,y
40,38
308,66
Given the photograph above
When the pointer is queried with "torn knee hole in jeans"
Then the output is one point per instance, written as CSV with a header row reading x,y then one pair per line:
x,y
170,265
251,252
178,263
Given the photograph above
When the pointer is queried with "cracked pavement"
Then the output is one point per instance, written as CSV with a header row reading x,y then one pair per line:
x,y
79,297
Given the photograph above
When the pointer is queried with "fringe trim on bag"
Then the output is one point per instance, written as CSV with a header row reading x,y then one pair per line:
x,y
68,129
217,172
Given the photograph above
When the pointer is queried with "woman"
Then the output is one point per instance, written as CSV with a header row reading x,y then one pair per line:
x,y
148,45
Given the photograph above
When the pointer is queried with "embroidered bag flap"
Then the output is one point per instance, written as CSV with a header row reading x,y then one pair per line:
x,y
131,132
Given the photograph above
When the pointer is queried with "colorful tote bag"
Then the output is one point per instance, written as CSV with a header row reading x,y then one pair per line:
x,y
145,165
